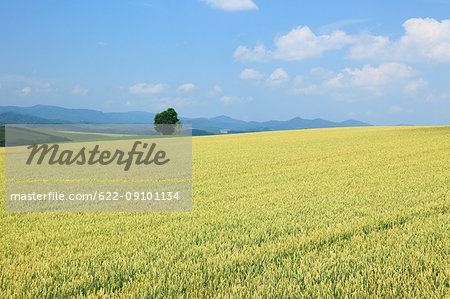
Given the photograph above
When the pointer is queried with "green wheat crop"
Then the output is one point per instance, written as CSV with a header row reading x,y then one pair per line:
x,y
360,212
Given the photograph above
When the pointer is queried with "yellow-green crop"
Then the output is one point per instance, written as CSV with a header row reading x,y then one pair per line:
x,y
327,212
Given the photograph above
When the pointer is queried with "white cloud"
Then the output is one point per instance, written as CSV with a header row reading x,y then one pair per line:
x,y
251,74
81,91
185,88
235,99
216,89
301,43
424,40
368,81
232,5
428,38
257,54
144,88
369,46
374,79
102,44
24,92
278,77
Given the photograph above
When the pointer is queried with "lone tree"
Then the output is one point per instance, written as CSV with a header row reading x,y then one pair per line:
x,y
166,121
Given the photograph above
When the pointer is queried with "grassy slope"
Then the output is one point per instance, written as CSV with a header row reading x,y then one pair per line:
x,y
312,212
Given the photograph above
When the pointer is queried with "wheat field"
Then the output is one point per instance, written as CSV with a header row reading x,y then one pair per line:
x,y
336,212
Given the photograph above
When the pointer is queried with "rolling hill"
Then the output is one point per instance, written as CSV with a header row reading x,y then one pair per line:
x,y
306,213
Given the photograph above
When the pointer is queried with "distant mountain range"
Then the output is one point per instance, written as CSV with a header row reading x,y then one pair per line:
x,y
201,126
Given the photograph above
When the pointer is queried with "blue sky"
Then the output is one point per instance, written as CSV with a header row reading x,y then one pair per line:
x,y
384,62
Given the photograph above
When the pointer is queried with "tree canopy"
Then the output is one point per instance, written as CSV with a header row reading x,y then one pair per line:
x,y
165,121
167,117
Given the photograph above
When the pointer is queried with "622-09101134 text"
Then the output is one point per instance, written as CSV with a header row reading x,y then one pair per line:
x,y
102,196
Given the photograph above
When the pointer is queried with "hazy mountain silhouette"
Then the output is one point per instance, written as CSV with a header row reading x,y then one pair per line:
x,y
201,126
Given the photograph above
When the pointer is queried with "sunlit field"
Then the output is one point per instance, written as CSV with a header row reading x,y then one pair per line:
x,y
323,212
